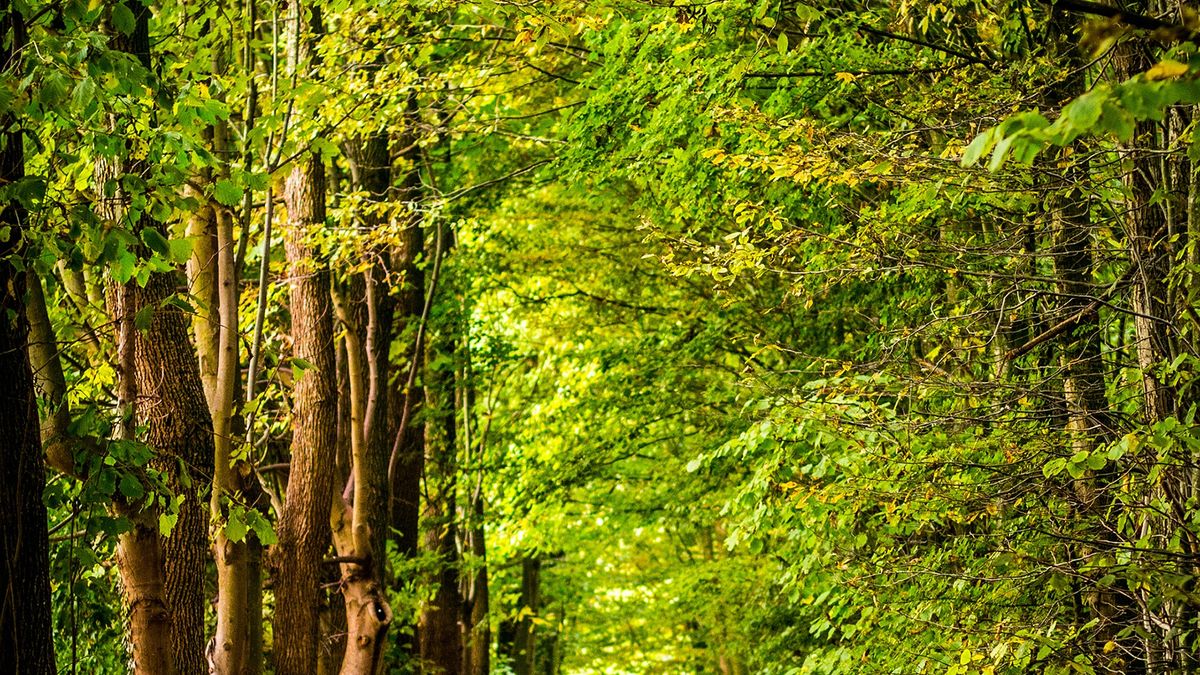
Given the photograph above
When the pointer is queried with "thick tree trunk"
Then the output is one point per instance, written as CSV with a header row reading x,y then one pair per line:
x,y
25,637
303,527
139,550
160,371
368,318
1155,219
171,406
304,524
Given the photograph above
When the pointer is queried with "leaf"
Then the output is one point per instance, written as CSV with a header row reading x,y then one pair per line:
x,y
228,192
144,316
1167,69
1083,113
166,522
179,250
806,13
978,146
131,487
156,242
1054,467
235,527
782,44
123,19
1076,471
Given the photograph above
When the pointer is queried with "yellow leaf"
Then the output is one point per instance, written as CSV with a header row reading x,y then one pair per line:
x,y
1167,69
1109,646
965,658
849,77
989,670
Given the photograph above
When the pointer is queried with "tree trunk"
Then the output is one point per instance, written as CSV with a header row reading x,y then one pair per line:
x,y
368,318
479,633
524,646
406,463
441,619
304,524
160,371
25,632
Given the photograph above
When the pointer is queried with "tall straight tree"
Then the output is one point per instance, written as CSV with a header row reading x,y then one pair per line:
x,y
25,636
303,527
162,392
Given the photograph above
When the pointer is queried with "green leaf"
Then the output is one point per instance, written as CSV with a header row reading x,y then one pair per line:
x,y
179,250
131,487
228,192
1054,467
156,242
261,527
979,145
166,522
1076,470
782,44
235,526
143,317
123,19
1083,113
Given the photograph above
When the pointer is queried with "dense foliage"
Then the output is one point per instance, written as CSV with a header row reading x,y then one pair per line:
x,y
615,337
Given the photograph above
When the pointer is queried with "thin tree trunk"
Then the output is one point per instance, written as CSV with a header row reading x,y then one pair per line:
x,y
479,633
441,619
406,463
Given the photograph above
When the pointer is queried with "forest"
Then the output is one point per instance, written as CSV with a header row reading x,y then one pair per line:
x,y
621,337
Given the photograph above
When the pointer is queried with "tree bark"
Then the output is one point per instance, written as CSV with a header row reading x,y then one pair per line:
x,y
25,631
304,524
162,388
368,319
524,646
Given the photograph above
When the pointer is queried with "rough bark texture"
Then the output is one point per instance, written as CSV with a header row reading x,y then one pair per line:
x,y
171,406
25,639
368,319
1154,223
169,400
303,527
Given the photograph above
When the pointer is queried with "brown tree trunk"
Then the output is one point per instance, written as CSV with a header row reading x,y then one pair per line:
x,y
368,318
479,633
25,638
406,463
303,527
304,524
160,372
